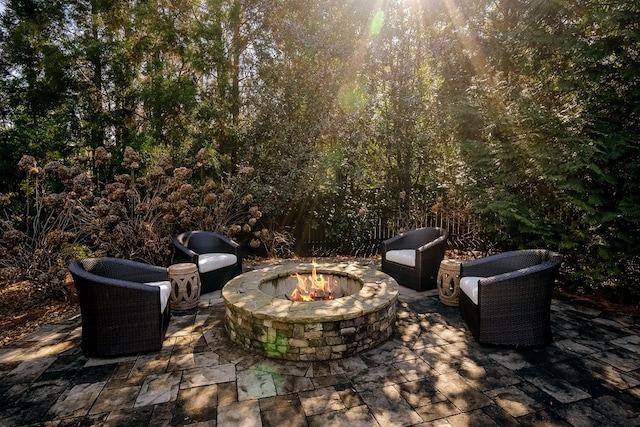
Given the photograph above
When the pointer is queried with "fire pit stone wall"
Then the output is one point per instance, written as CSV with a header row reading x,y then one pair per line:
x,y
314,330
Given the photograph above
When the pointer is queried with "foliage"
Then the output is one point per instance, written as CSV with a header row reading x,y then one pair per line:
x,y
548,131
519,114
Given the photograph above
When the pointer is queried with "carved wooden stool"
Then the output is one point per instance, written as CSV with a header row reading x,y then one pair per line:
x,y
185,286
449,282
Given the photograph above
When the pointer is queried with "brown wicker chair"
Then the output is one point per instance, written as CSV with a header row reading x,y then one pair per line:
x,y
506,298
202,247
122,311
413,258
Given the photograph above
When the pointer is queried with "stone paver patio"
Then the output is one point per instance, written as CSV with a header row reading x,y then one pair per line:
x,y
431,372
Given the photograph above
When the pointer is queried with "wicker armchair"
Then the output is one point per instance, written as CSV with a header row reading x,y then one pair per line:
x,y
123,304
413,258
217,257
506,298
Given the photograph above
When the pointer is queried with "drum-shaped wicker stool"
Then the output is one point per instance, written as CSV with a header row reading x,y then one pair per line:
x,y
185,286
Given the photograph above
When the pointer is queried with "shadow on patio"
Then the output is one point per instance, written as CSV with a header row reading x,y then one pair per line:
x,y
430,371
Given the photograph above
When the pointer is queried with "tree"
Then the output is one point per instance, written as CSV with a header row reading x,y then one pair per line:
x,y
36,80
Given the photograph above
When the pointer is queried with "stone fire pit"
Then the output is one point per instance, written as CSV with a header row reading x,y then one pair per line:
x,y
259,317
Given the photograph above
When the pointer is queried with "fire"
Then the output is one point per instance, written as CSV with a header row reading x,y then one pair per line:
x,y
313,287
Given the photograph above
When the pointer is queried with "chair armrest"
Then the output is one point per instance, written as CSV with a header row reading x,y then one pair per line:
x,y
392,244
440,241
186,253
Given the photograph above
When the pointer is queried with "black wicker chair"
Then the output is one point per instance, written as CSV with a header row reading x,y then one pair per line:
x,y
506,298
218,258
413,258
124,305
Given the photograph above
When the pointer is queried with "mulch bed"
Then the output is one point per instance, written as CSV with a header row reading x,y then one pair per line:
x,y
24,308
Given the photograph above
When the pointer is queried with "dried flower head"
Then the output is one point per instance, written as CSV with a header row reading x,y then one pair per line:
x,y
123,179
101,208
82,184
174,197
255,212
185,222
156,174
55,238
165,162
55,202
13,237
186,189
246,170
26,163
210,199
255,243
202,157
117,194
101,156
142,209
5,202
182,173
52,167
198,213
37,172
131,159
227,194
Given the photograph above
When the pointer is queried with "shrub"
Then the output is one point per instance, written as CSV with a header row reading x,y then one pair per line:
x,y
134,216
38,235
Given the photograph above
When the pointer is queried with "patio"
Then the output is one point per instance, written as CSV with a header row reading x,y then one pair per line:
x,y
431,372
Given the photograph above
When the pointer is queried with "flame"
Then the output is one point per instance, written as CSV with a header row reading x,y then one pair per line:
x,y
312,287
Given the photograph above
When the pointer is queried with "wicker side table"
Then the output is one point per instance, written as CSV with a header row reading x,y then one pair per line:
x,y
449,282
185,286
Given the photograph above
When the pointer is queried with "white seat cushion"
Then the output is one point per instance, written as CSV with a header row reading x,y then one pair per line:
x,y
469,285
165,292
210,262
403,256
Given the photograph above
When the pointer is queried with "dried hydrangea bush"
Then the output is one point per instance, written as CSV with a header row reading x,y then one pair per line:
x,y
134,216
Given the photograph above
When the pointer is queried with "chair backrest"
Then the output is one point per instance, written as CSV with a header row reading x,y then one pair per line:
x,y
421,236
116,269
202,242
517,260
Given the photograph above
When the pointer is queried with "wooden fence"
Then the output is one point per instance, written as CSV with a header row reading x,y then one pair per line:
x,y
463,234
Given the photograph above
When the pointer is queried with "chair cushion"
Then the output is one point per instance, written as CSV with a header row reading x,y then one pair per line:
x,y
210,262
403,256
165,292
469,285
